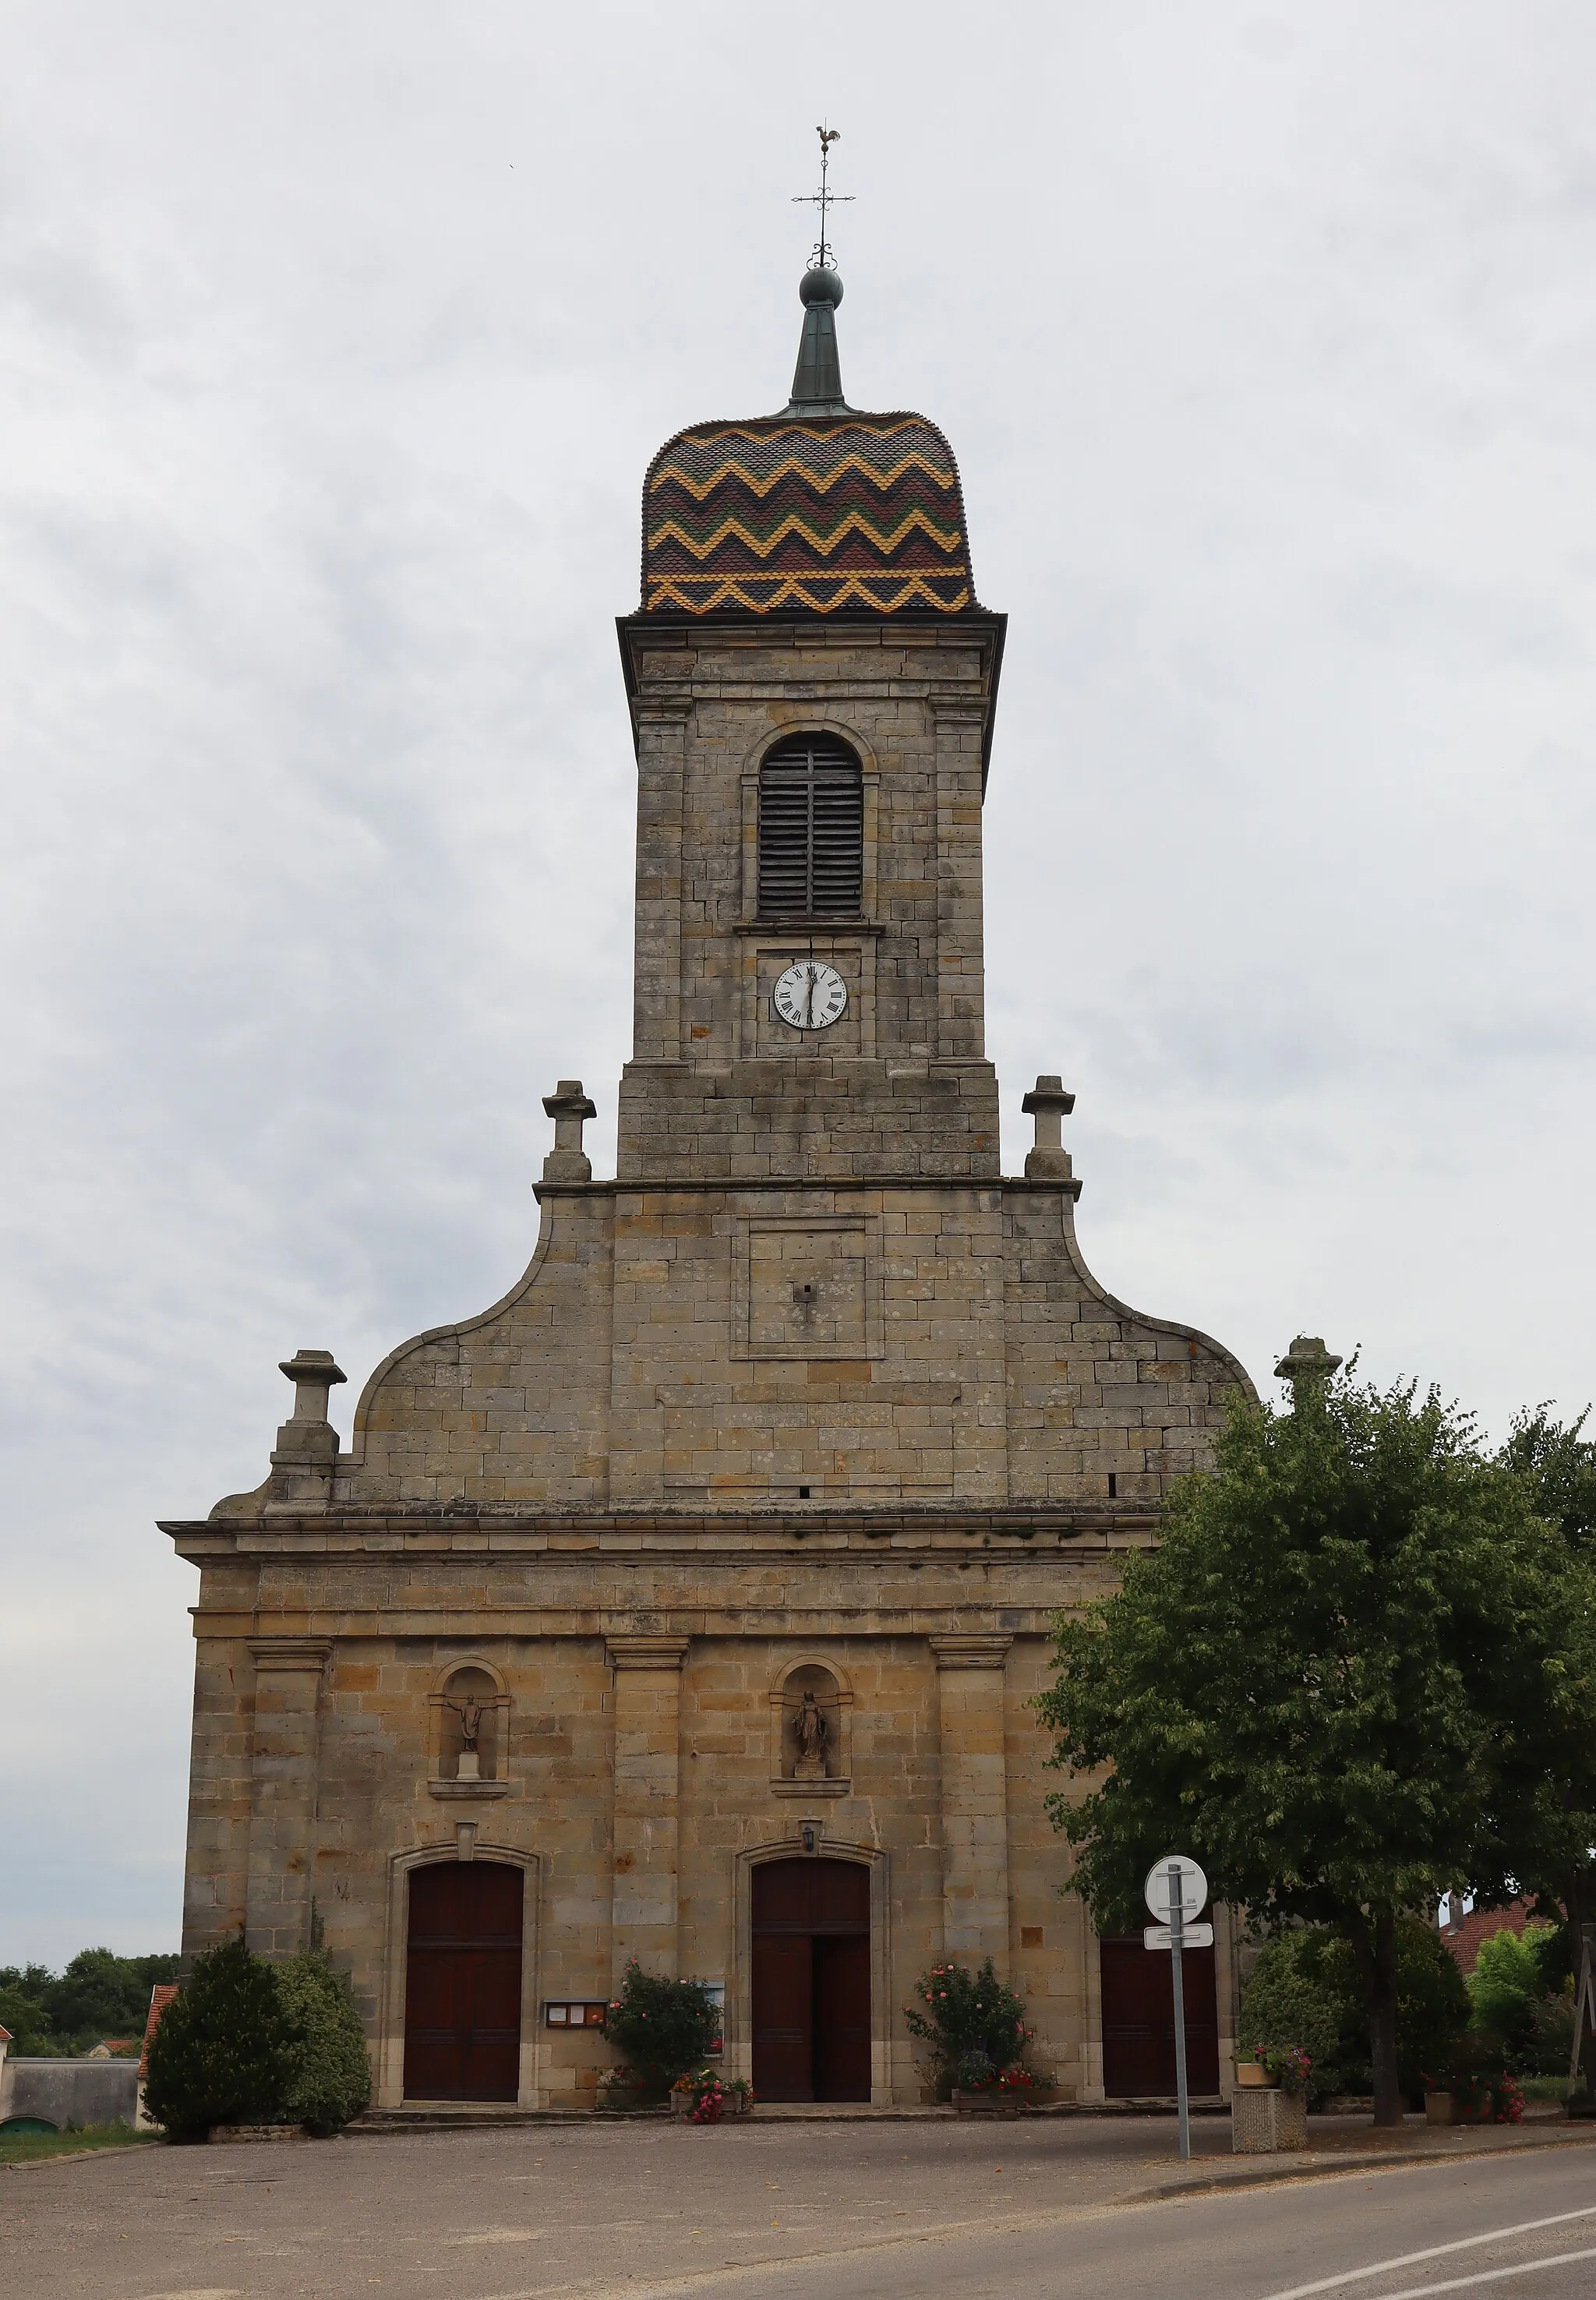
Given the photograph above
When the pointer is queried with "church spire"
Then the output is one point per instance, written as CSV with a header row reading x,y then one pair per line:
x,y
818,379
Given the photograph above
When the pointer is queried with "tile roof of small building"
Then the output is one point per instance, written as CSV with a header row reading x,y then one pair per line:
x,y
821,509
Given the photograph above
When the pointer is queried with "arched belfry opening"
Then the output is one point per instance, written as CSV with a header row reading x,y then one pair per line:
x,y
812,829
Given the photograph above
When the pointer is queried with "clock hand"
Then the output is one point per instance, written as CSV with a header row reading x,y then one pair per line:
x,y
809,1007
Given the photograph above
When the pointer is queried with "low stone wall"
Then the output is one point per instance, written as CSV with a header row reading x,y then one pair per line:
x,y
69,2092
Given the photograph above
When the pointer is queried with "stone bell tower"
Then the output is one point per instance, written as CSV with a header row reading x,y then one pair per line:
x,y
807,577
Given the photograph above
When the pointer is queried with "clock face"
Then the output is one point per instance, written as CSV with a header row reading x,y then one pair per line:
x,y
811,995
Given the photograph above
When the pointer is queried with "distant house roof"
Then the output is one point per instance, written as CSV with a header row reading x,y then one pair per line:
x,y
109,2047
161,1997
5,2036
1468,1935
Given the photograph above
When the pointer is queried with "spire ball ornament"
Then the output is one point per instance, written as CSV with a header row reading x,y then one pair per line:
x,y
819,285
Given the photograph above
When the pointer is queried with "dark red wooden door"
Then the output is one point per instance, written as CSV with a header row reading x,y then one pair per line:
x,y
783,2016
1138,2021
842,2016
463,1996
811,1980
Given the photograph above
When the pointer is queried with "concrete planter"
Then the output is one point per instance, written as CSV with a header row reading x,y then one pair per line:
x,y
1264,2120
1439,2108
681,2104
985,2104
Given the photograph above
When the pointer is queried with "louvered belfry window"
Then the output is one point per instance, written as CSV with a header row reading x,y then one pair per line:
x,y
812,829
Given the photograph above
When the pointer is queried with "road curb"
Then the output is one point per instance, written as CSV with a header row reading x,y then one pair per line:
x,y
1394,2160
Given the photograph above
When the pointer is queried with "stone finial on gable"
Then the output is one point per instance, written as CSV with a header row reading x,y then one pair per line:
x,y
1049,1105
570,1109
306,1454
1307,1362
313,1374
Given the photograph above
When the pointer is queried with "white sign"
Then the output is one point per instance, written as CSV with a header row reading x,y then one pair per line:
x,y
1190,1937
1193,1884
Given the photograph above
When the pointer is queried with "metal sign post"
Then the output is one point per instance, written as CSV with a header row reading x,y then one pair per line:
x,y
1176,1889
1177,1926
1584,2001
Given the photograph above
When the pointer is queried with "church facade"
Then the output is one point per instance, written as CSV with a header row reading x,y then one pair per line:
x,y
687,1604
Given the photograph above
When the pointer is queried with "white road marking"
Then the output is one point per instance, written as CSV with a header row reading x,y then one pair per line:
x,y
1488,2276
1434,2252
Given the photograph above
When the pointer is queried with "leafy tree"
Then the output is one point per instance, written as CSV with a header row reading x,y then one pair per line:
x,y
103,1994
1305,1990
663,2027
23,2011
1560,1466
99,1995
1357,1671
225,2052
330,2081
1557,1463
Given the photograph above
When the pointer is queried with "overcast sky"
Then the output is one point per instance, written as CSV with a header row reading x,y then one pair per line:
x,y
335,340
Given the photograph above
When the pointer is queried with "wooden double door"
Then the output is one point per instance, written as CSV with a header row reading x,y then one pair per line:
x,y
811,1980
1138,2021
462,1991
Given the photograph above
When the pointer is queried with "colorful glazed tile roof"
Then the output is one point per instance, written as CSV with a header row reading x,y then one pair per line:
x,y
827,514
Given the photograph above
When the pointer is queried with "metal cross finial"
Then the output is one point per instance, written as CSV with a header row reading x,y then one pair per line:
x,y
824,256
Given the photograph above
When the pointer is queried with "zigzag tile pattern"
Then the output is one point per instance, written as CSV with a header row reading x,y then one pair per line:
x,y
825,513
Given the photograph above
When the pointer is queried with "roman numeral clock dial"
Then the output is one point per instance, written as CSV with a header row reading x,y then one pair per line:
x,y
811,995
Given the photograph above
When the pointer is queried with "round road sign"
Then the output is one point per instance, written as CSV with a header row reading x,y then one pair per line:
x,y
1192,1887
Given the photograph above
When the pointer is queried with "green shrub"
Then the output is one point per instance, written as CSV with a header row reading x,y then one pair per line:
x,y
665,2028
1510,1992
1305,1990
330,2081
1289,2000
224,2053
975,2025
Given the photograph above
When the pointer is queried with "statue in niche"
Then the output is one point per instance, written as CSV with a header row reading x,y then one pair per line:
x,y
811,1732
470,1712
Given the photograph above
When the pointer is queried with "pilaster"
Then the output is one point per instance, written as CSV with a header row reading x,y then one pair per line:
x,y
647,1782
960,958
657,981
282,1812
974,1817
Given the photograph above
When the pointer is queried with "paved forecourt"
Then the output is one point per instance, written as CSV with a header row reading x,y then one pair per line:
x,y
790,2207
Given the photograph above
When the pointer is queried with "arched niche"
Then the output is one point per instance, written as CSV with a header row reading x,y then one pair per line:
x,y
821,1679
468,1690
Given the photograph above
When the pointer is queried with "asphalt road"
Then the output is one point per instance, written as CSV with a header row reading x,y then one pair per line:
x,y
1050,2209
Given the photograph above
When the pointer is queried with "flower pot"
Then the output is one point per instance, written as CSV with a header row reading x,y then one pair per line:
x,y
1253,2075
1438,2108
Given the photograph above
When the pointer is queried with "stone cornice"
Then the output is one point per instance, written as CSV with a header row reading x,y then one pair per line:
x,y
729,1185
645,1652
290,1652
818,1537
961,1651
969,1628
